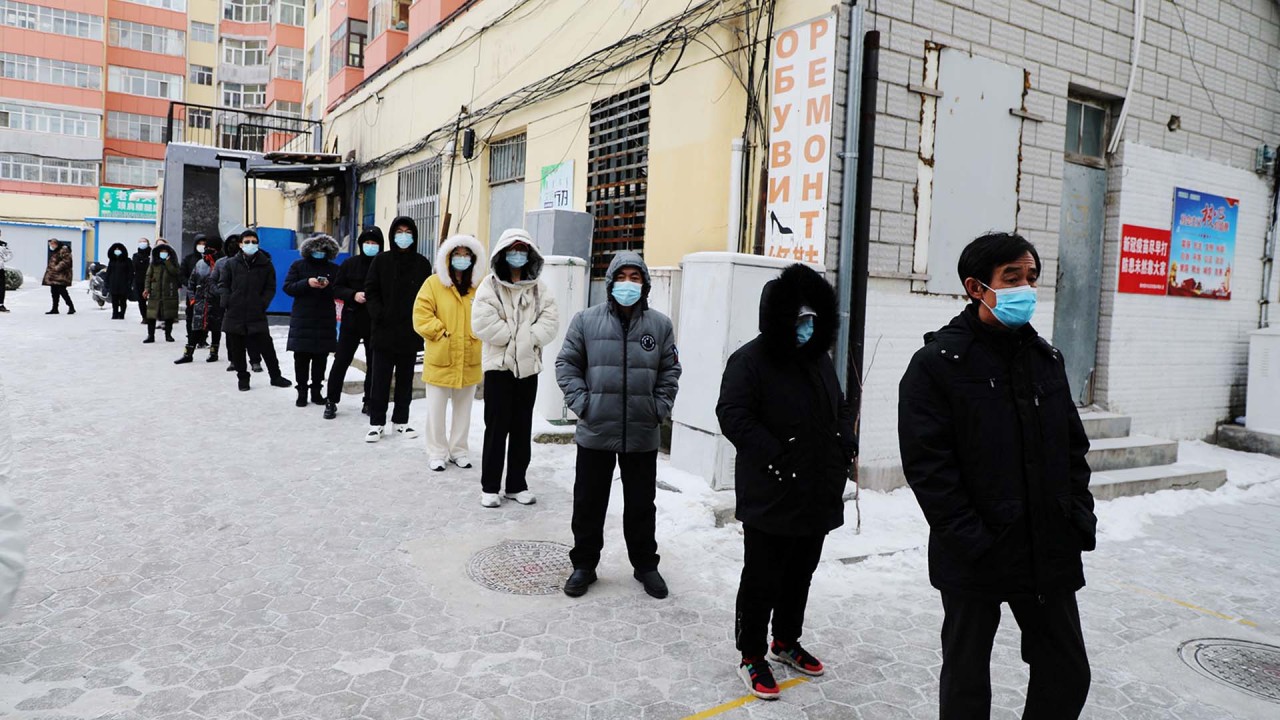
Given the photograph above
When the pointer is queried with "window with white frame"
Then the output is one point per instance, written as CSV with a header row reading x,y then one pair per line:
x,y
346,47
288,109
135,81
246,11
142,128
147,38
315,60
418,197
286,63
203,32
134,171
32,168
50,20
387,14
236,95
201,75
54,121
175,5
242,136
199,118
290,12
244,52
50,72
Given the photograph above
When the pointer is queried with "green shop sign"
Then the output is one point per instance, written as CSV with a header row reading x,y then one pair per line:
x,y
124,203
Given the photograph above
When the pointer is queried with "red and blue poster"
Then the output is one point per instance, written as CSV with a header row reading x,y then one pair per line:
x,y
1203,245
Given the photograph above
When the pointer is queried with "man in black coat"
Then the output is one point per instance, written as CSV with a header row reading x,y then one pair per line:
x,y
246,285
141,261
348,286
391,288
782,408
993,447
119,279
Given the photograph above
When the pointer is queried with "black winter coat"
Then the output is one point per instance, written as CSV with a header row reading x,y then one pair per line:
x,y
119,271
313,327
349,281
395,276
781,406
141,261
245,287
205,307
993,447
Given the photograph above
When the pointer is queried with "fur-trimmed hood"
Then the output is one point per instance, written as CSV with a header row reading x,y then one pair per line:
x,y
780,302
319,242
478,267
156,249
502,271
628,258
111,252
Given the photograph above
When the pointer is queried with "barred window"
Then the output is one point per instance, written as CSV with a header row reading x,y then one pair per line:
x,y
143,128
290,12
506,160
202,32
134,81
50,72
246,11
49,120
618,175
134,171
31,168
175,5
418,197
201,75
50,20
242,136
244,52
286,63
236,95
199,118
147,38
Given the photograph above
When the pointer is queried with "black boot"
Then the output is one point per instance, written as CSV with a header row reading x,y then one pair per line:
x,y
302,396
282,382
168,331
244,382
186,356
71,309
54,311
330,410
231,367
151,332
213,353
317,397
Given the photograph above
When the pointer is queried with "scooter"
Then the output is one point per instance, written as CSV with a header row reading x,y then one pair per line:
x,y
98,283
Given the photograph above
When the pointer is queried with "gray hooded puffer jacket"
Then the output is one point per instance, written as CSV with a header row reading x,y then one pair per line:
x,y
620,377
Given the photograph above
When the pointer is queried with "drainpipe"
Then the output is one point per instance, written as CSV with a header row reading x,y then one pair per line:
x,y
1139,16
849,171
735,196
1269,254
862,220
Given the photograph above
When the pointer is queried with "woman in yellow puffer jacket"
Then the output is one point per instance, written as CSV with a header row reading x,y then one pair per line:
x,y
451,362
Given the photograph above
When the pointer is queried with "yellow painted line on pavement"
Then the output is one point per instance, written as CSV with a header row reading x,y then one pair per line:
x,y
1189,606
745,699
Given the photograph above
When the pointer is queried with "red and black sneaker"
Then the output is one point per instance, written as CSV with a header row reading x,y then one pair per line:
x,y
795,656
758,676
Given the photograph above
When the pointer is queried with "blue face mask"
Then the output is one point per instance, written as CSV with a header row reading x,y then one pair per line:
x,y
627,293
1014,306
517,258
804,330
319,255
249,249
164,256
404,240
118,253
369,249
143,246
460,262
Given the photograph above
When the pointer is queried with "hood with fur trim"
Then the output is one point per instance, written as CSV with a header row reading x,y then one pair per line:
x,y
478,267
319,242
532,271
780,303
156,250
111,252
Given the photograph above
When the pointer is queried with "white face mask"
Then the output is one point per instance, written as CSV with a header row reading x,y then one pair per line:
x,y
404,240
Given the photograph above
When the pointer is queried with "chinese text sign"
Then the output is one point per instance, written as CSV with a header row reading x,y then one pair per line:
x,y
1203,246
1144,260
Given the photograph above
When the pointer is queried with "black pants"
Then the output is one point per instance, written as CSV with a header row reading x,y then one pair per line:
x,y
508,430
209,330
309,365
1052,644
167,325
591,485
2,288
119,304
260,343
349,338
60,291
142,306
776,572
385,364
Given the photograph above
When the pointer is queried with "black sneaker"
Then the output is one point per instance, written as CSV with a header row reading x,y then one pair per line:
x,y
282,381
758,677
244,384
330,411
792,654
257,367
3,309
579,581
231,367
653,583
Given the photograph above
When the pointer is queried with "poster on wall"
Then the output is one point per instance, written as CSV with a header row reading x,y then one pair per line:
x,y
556,188
1203,246
1144,260
802,88
123,203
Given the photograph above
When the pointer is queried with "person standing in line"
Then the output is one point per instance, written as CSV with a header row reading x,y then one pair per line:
x,y
119,279
619,371
187,266
246,285
391,289
782,408
57,276
5,256
205,310
231,248
348,287
451,362
995,452
164,277
141,261
515,316
312,335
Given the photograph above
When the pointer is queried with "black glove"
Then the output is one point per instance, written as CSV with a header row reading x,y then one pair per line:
x,y
786,465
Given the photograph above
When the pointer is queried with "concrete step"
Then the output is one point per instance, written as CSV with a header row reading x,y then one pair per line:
x,y
1143,480
1099,425
1135,451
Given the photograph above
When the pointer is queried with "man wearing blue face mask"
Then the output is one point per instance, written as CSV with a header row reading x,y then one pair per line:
x,y
993,447
348,286
619,371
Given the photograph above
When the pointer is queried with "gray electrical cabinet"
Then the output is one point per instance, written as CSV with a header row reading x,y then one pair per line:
x,y
561,232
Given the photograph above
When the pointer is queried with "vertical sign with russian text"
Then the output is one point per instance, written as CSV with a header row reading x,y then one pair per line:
x,y
802,88
1144,260
1203,247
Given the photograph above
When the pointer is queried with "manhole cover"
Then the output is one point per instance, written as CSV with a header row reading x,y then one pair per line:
x,y
522,567
1248,666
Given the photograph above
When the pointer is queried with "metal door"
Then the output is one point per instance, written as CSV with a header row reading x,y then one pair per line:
x,y
1079,294
506,209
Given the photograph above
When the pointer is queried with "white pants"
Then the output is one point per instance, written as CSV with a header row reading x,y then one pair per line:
x,y
440,447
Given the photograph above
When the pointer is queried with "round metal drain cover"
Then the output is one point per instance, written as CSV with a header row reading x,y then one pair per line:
x,y
1248,666
522,567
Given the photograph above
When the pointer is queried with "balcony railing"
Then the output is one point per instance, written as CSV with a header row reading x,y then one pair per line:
x,y
236,129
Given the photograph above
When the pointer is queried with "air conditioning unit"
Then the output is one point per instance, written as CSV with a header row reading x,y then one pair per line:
x,y
1262,405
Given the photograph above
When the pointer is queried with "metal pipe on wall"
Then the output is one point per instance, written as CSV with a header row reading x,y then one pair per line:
x,y
849,166
734,239
1269,253
1139,15
862,219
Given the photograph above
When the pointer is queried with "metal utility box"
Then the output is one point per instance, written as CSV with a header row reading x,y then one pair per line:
x,y
1262,402
561,232
566,278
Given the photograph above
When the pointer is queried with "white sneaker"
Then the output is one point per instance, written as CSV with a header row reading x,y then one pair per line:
x,y
436,465
524,497
462,461
490,500
405,431
374,434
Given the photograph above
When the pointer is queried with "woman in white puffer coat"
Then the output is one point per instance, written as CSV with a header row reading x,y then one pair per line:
x,y
515,316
